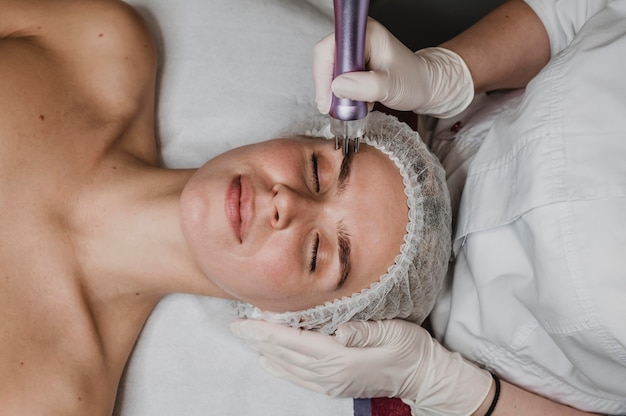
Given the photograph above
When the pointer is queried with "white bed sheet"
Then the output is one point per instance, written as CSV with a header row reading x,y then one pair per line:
x,y
232,72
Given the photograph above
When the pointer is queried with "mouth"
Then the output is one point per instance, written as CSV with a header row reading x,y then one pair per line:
x,y
238,206
233,206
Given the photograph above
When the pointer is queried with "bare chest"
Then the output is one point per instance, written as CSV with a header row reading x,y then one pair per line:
x,y
51,355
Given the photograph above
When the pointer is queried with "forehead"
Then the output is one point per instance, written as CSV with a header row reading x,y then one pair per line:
x,y
376,216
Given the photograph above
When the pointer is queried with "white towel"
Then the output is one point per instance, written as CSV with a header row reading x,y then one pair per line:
x,y
188,363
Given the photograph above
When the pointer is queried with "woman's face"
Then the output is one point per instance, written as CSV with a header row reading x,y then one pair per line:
x,y
289,224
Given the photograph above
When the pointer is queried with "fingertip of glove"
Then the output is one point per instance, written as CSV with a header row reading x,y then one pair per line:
x,y
349,333
267,365
235,327
244,328
323,105
348,83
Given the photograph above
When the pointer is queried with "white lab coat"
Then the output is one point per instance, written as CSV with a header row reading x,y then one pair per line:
x,y
538,292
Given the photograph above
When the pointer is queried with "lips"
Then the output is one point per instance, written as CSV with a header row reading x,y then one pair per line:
x,y
233,213
238,206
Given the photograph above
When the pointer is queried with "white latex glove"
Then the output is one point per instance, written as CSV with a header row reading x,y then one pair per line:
x,y
433,81
371,359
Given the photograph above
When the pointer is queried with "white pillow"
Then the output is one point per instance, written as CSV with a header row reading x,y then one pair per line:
x,y
232,71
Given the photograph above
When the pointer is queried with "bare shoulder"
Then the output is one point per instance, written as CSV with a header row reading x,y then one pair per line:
x,y
77,79
75,56
98,29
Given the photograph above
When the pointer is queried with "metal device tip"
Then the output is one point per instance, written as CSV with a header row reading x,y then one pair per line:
x,y
345,144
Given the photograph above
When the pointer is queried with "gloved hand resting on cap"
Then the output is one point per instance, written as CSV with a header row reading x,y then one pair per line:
x,y
392,358
433,81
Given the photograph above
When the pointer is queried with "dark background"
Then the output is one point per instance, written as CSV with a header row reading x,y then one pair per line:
x,y
423,23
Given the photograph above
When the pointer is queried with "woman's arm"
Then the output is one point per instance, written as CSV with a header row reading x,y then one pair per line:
x,y
513,401
505,49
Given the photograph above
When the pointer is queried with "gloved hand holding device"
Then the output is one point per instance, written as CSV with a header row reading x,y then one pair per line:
x,y
392,358
433,81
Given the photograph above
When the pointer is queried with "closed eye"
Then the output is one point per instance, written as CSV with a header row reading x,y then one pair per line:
x,y
316,245
316,177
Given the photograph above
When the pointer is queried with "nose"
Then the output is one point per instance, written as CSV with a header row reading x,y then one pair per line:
x,y
291,206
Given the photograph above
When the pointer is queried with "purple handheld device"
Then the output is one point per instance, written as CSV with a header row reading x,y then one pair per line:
x,y
348,117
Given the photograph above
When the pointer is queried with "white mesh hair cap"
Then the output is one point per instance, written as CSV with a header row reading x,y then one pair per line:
x,y
409,288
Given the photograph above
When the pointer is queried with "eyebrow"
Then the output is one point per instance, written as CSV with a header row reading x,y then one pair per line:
x,y
345,265
344,173
343,238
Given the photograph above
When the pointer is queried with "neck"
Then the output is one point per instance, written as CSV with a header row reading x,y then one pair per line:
x,y
131,242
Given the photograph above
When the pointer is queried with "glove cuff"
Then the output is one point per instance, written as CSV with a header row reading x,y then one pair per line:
x,y
458,388
452,86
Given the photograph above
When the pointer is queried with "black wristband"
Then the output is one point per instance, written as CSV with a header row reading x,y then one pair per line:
x,y
495,397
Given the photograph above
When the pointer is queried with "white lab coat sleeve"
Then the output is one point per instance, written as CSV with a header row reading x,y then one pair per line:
x,y
564,18
538,287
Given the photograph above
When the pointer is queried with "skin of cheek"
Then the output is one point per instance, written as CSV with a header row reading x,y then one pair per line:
x,y
271,279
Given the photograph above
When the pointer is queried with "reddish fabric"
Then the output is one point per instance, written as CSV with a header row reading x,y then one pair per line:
x,y
389,407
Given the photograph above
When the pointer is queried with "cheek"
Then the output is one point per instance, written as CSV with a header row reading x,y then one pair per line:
x,y
275,268
273,281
